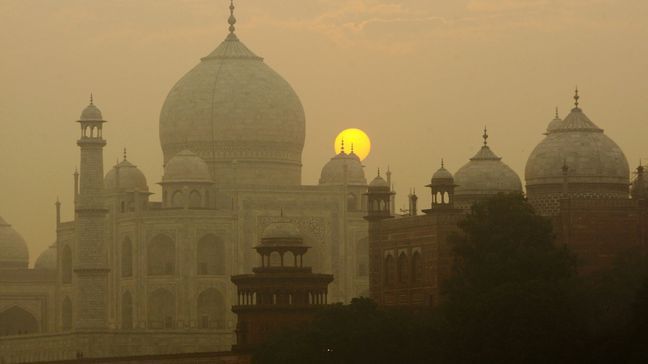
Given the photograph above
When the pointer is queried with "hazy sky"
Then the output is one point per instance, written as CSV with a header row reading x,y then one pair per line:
x,y
421,77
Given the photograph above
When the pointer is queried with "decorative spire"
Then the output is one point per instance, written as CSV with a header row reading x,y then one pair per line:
x,y
378,171
485,136
232,19
124,153
342,148
576,97
557,117
442,163
351,148
91,99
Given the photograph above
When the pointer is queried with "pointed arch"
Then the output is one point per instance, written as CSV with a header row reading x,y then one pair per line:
x,y
17,321
178,199
66,264
127,311
161,256
417,267
127,258
403,268
161,309
195,199
389,270
66,314
211,309
211,255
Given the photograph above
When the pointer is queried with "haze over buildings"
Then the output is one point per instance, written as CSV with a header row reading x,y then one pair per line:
x,y
421,77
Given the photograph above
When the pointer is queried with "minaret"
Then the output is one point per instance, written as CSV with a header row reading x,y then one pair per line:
x,y
442,187
379,196
90,258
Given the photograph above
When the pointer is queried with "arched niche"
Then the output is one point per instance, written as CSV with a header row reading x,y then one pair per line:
x,y
161,256
161,310
211,255
211,309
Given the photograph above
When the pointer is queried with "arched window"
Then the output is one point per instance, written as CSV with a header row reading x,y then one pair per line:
x,y
375,205
195,200
178,199
383,205
161,310
403,267
127,311
352,202
161,256
17,321
390,270
127,258
289,260
275,259
211,309
66,264
446,198
417,268
438,198
362,257
211,255
66,314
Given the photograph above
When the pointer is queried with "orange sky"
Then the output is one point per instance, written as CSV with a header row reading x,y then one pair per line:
x,y
421,77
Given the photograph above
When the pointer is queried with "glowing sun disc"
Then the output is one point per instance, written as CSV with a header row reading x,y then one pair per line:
x,y
355,139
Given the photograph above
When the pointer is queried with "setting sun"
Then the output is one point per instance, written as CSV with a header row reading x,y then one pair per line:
x,y
354,139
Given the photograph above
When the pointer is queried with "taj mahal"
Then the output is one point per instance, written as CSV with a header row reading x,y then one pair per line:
x,y
134,273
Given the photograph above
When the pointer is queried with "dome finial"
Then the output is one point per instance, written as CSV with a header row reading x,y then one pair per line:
x,y
557,117
378,171
91,99
232,19
485,136
342,148
576,97
442,163
124,153
351,148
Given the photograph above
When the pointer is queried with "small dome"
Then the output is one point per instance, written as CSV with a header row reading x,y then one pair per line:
x,y
186,166
592,157
442,177
334,172
379,182
486,174
281,232
554,124
91,113
13,248
130,178
47,259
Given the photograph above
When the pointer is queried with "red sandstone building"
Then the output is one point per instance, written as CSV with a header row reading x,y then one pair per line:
x,y
576,176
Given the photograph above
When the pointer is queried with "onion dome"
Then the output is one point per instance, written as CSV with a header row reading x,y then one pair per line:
x,y
442,177
343,169
91,112
47,259
280,233
486,174
554,124
186,166
593,158
233,107
130,178
13,248
379,182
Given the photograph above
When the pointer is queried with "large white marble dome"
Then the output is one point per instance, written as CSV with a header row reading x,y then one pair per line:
x,y
576,142
239,115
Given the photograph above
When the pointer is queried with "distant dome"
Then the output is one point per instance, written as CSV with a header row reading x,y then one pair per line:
x,y
47,259
130,178
591,156
282,231
91,112
379,182
554,124
13,248
334,172
442,177
234,107
186,166
485,174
